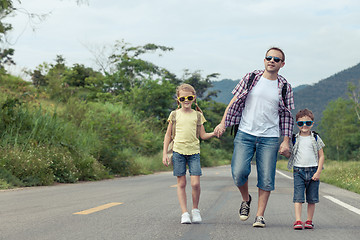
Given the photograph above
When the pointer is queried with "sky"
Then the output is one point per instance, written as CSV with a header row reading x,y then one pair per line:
x,y
229,37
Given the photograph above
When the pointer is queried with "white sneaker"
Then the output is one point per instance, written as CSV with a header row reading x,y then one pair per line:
x,y
185,218
196,217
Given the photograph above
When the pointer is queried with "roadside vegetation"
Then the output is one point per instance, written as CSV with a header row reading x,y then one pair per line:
x,y
73,124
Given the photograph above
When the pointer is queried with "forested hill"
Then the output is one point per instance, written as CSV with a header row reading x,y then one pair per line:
x,y
315,97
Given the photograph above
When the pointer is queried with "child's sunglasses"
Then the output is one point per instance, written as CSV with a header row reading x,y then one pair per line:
x,y
190,98
276,59
307,123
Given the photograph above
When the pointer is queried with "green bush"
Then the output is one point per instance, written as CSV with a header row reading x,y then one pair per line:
x,y
121,135
29,166
7,180
211,156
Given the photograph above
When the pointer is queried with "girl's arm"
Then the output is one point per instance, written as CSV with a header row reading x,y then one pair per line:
x,y
204,135
320,165
167,139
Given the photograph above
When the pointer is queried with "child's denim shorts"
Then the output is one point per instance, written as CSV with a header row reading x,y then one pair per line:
x,y
180,161
304,184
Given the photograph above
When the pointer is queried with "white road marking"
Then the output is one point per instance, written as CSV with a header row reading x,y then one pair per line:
x,y
284,175
345,205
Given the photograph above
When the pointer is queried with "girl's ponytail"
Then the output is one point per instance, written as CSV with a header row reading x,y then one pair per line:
x,y
197,107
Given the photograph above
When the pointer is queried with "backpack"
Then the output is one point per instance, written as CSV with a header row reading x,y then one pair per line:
x,y
249,83
293,139
173,120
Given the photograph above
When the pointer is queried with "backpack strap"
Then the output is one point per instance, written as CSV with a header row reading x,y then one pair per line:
x,y
198,124
293,139
315,135
283,93
250,81
173,121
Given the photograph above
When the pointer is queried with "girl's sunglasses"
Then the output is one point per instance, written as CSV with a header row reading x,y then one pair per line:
x,y
307,123
182,99
276,59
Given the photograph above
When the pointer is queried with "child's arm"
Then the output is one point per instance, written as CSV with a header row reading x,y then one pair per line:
x,y
320,165
284,148
204,135
167,139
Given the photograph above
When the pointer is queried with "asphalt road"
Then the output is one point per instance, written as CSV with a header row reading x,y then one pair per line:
x,y
146,207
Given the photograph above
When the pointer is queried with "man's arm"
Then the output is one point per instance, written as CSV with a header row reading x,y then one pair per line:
x,y
220,129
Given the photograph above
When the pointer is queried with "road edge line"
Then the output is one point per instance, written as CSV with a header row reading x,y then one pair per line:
x,y
341,203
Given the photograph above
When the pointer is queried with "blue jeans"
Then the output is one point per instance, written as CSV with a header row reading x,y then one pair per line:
x,y
304,184
266,149
180,161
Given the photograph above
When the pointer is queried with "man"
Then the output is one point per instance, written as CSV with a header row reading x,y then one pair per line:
x,y
262,114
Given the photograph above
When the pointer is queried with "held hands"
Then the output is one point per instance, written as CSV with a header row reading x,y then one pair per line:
x,y
219,130
285,149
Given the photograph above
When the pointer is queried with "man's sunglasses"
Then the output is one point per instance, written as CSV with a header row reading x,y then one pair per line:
x,y
307,123
276,59
190,98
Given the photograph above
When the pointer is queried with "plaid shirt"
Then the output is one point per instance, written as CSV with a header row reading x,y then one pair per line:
x,y
286,121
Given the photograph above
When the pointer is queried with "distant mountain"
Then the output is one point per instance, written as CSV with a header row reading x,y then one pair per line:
x,y
315,97
225,87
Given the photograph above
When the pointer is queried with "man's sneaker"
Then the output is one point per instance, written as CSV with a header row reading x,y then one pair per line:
x,y
245,209
259,221
196,217
298,225
309,224
185,218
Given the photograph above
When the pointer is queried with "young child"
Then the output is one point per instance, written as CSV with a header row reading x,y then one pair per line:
x,y
307,160
186,149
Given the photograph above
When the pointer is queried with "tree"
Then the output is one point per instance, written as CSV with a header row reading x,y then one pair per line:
x,y
355,97
340,130
200,84
126,69
77,75
6,8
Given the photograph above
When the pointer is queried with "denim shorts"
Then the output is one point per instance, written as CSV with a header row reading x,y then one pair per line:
x,y
304,184
266,149
180,161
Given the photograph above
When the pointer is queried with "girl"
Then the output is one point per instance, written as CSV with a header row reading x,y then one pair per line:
x,y
186,149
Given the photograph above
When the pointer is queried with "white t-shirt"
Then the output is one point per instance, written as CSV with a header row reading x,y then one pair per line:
x,y
260,116
305,156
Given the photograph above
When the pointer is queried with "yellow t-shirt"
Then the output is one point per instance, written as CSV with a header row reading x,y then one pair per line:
x,y
185,141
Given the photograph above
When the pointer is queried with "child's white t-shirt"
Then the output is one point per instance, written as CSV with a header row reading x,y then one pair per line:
x,y
260,116
305,156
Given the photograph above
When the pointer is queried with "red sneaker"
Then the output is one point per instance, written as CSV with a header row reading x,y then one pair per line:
x,y
298,225
309,224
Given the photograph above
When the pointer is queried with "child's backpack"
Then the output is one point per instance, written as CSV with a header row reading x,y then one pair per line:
x,y
293,139
173,120
251,79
